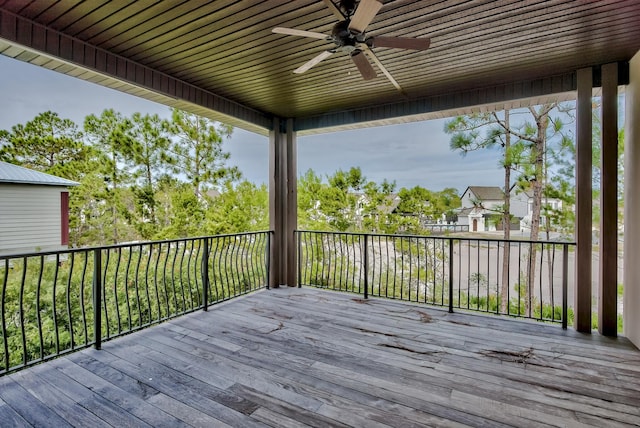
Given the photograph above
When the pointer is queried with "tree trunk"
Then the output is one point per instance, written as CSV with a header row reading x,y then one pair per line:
x,y
506,220
542,121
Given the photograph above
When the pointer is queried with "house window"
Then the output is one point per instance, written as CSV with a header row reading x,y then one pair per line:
x,y
64,215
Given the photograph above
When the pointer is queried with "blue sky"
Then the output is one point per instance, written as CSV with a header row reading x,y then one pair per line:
x,y
411,154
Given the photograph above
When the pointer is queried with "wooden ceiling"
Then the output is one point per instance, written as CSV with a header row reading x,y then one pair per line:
x,y
227,49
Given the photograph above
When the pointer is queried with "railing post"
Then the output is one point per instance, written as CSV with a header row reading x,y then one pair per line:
x,y
450,275
268,259
97,298
298,261
565,280
366,267
205,274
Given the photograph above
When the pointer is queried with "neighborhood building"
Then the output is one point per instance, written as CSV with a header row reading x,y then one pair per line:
x,y
34,210
481,208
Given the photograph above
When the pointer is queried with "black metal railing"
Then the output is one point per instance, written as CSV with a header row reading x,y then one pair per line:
x,y
56,302
527,279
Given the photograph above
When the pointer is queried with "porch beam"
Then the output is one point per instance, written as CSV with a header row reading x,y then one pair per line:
x,y
582,305
608,274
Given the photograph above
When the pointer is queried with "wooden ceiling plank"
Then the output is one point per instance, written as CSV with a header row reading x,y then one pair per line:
x,y
81,11
226,70
207,56
103,17
241,36
487,75
148,33
255,43
526,37
201,31
55,11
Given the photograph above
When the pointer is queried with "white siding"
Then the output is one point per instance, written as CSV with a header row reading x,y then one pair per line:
x,y
465,199
519,204
30,218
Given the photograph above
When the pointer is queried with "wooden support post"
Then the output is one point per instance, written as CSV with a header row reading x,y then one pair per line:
x,y
608,279
291,210
282,203
632,204
582,306
276,203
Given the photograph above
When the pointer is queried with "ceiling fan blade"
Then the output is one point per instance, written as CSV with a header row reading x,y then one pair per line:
x,y
363,65
382,68
334,9
302,33
399,43
315,60
366,11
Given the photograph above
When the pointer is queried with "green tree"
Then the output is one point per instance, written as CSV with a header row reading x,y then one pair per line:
x,y
110,133
240,208
415,201
310,216
375,208
197,150
47,143
150,160
444,203
180,212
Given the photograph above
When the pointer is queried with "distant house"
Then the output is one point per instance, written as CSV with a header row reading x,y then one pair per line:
x,y
480,207
34,210
522,207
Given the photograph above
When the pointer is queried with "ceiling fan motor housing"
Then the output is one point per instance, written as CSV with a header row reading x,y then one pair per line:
x,y
344,38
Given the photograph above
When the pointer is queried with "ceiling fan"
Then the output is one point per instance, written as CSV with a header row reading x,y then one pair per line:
x,y
349,36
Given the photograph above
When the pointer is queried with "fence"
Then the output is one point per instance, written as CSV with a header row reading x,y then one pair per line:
x,y
57,302
518,278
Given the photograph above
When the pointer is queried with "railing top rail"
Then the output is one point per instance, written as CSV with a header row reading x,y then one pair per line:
x,y
127,245
446,238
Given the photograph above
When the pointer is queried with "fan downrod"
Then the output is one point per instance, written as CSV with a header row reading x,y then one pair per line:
x,y
347,7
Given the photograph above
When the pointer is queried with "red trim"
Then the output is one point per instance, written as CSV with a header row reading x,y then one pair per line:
x,y
64,214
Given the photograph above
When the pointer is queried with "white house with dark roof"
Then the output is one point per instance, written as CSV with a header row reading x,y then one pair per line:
x,y
482,205
34,210
477,205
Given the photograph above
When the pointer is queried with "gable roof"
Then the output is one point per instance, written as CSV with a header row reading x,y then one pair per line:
x,y
10,173
486,193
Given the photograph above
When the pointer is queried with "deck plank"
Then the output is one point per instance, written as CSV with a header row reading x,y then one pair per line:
x,y
307,357
523,376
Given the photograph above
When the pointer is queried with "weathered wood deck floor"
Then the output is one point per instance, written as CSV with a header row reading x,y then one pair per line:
x,y
296,357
